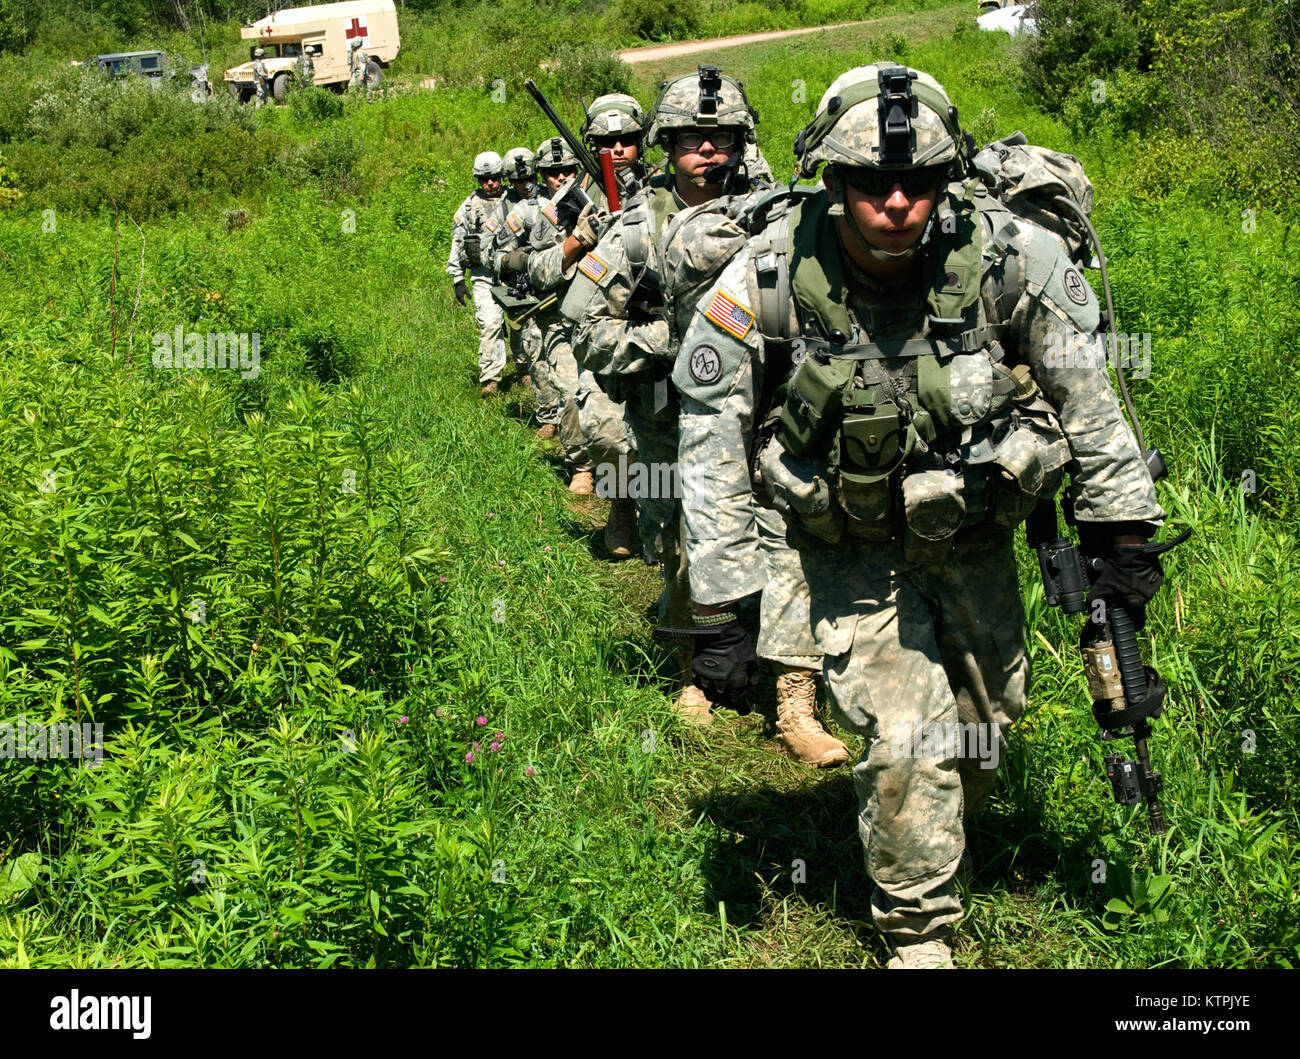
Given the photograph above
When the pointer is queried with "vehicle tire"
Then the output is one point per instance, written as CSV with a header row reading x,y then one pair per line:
x,y
374,73
280,87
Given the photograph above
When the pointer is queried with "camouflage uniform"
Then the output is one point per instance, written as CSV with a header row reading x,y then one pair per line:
x,y
918,610
475,218
260,79
360,75
514,235
305,70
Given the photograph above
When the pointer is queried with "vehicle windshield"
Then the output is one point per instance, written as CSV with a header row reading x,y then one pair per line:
x,y
286,50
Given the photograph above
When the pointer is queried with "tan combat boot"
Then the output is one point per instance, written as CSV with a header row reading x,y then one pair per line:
x,y
583,484
620,531
797,728
921,954
546,432
693,705
489,389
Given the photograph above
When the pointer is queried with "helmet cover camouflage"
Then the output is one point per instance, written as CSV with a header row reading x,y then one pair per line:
x,y
487,164
847,129
702,100
519,164
554,153
612,114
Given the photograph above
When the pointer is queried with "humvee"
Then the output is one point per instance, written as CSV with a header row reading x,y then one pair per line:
x,y
331,28
156,66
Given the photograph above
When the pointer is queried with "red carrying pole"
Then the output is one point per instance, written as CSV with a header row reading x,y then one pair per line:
x,y
611,184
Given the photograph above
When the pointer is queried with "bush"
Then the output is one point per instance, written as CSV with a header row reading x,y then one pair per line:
x,y
590,71
656,20
311,106
1078,42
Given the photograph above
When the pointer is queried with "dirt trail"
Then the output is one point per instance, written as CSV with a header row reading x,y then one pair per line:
x,y
653,52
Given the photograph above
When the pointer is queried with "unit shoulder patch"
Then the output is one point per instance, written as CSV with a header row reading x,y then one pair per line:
x,y
704,364
1075,287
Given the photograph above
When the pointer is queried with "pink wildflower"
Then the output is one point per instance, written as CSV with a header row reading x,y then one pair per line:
x,y
469,758
530,771
403,719
480,720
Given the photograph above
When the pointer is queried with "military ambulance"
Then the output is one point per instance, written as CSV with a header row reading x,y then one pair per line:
x,y
331,28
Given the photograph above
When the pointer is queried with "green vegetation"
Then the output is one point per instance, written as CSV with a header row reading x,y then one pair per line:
x,y
295,771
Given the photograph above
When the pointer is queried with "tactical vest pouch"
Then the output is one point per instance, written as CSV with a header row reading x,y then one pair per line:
x,y
813,404
798,489
874,440
934,509
1031,457
473,248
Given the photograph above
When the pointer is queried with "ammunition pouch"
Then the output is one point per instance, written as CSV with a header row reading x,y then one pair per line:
x,y
799,490
472,250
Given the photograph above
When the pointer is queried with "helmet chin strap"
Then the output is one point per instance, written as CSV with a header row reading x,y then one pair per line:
x,y
874,252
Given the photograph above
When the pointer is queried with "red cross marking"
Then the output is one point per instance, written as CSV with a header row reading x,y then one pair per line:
x,y
355,30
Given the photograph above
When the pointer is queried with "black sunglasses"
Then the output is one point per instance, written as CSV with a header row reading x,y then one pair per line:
x,y
608,143
878,183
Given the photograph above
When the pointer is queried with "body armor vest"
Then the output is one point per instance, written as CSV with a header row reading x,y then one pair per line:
x,y
918,422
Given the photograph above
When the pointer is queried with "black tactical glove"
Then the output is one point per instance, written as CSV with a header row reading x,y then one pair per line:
x,y
1131,576
462,291
725,663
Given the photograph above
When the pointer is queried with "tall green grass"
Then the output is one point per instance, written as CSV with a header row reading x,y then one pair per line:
x,y
300,778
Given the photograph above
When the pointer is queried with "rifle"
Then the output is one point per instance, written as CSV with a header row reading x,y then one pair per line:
x,y
1126,693
590,165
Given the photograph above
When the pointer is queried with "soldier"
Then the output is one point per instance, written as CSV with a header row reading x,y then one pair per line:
x,y
358,61
559,240
475,217
260,76
510,262
701,121
305,68
927,415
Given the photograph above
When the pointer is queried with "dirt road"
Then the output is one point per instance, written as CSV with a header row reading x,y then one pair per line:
x,y
653,52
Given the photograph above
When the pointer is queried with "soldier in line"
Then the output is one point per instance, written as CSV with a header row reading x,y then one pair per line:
x,y
509,258
305,68
260,76
469,224
559,240
358,61
925,418
622,335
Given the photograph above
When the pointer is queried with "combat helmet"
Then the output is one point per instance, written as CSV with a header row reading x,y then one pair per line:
x,y
519,164
612,114
554,153
702,100
487,164
883,116
258,52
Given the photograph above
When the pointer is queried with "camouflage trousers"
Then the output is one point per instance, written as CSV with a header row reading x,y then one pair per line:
x,y
603,423
526,345
784,629
491,323
557,351
929,665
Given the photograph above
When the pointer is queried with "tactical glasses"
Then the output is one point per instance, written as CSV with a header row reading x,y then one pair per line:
x,y
878,183
722,139
608,143
564,172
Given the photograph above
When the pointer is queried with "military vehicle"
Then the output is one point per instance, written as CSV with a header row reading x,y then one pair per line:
x,y
331,28
156,66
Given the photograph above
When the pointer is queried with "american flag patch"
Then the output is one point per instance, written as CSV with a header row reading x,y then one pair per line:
x,y
730,315
490,225
593,268
549,212
515,226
